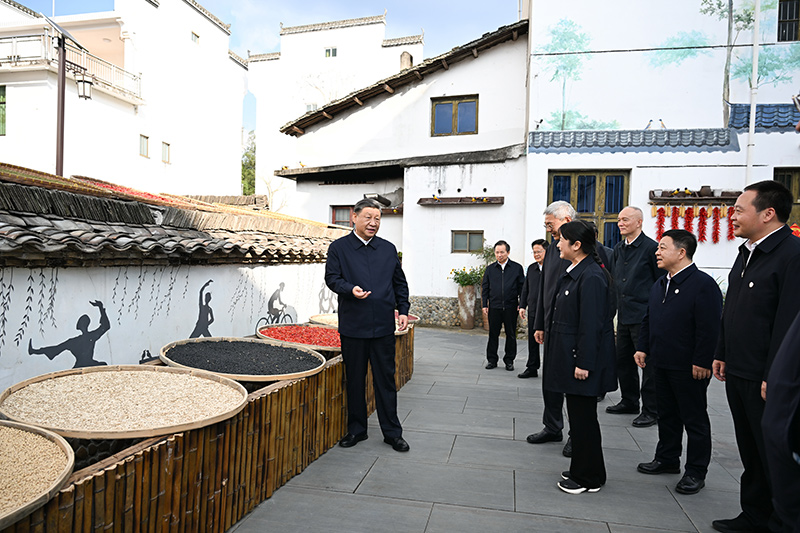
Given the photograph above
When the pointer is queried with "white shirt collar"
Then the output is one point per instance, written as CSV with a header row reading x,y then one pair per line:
x,y
360,239
679,271
752,245
633,241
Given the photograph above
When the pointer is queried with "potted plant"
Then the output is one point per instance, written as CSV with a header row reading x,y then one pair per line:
x,y
467,279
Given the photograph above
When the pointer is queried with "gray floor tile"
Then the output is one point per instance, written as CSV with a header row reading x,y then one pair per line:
x,y
461,424
448,518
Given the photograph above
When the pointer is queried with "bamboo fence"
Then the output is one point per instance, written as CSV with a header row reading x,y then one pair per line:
x,y
207,479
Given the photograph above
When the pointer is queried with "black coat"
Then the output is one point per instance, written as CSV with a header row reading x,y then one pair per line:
x,y
634,270
374,267
580,333
500,286
530,289
681,325
761,302
552,269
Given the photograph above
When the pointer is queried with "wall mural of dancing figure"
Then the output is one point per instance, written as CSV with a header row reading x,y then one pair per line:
x,y
205,315
82,346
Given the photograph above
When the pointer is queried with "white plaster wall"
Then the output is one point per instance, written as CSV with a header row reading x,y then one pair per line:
x,y
303,75
147,308
427,259
398,126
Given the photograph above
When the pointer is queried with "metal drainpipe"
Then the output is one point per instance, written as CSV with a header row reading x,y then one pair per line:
x,y
753,94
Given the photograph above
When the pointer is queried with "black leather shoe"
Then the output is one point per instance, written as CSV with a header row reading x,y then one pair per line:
x,y
490,366
567,451
544,436
689,485
529,373
398,443
623,408
657,467
351,440
509,366
644,421
740,524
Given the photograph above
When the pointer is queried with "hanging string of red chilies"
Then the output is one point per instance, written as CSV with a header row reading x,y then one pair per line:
x,y
661,215
688,220
731,236
702,222
715,225
675,216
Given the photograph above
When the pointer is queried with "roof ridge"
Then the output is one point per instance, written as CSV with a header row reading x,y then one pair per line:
x,y
20,7
210,16
409,39
345,23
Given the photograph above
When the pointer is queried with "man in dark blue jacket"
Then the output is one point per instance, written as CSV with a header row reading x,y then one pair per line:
x,y
761,302
530,292
365,272
680,330
500,288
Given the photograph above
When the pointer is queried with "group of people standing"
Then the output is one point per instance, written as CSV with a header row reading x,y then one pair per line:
x,y
671,324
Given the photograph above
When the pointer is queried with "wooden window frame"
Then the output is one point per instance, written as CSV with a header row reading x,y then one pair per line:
x,y
349,218
790,176
195,38
454,100
788,20
598,216
468,233
166,149
144,142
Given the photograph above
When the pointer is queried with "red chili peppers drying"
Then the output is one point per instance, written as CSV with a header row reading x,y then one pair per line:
x,y
702,222
661,215
313,335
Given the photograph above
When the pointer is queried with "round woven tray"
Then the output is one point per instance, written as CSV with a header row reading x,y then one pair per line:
x,y
14,515
336,349
153,431
248,377
332,319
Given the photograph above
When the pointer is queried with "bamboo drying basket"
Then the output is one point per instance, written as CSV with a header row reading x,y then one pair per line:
x,y
248,377
14,515
123,434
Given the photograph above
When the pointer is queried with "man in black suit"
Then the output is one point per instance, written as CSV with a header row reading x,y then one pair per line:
x,y
530,292
500,288
761,302
781,426
680,330
365,272
634,272
555,215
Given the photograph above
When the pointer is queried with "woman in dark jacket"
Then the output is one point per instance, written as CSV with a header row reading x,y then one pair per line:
x,y
580,362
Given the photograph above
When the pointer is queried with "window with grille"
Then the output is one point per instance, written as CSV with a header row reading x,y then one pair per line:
x,y
790,177
789,20
330,52
597,195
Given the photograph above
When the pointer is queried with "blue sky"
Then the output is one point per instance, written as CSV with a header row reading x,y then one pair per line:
x,y
255,24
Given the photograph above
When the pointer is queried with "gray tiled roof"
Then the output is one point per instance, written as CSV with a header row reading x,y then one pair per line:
x,y
264,57
400,41
769,117
380,19
42,227
690,140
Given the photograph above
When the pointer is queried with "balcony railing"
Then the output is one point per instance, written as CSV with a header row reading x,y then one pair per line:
x,y
28,50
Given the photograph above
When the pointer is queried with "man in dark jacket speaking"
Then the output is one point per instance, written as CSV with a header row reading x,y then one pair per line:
x,y
502,283
365,273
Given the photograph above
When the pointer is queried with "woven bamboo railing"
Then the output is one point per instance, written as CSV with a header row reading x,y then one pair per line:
x,y
207,479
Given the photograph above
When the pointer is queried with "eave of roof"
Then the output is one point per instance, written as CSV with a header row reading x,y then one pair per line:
x,y
20,7
769,117
598,141
401,41
336,24
264,57
210,16
237,59
406,77
496,155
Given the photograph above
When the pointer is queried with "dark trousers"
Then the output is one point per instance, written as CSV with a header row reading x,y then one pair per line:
x,y
534,361
747,408
628,371
507,319
682,404
356,352
587,466
553,414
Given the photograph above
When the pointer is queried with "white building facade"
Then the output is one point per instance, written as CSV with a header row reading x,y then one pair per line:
x,y
317,64
166,107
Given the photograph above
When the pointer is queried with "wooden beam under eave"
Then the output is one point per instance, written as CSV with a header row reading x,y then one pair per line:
x,y
356,100
445,65
297,130
418,75
514,35
475,52
327,115
387,88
